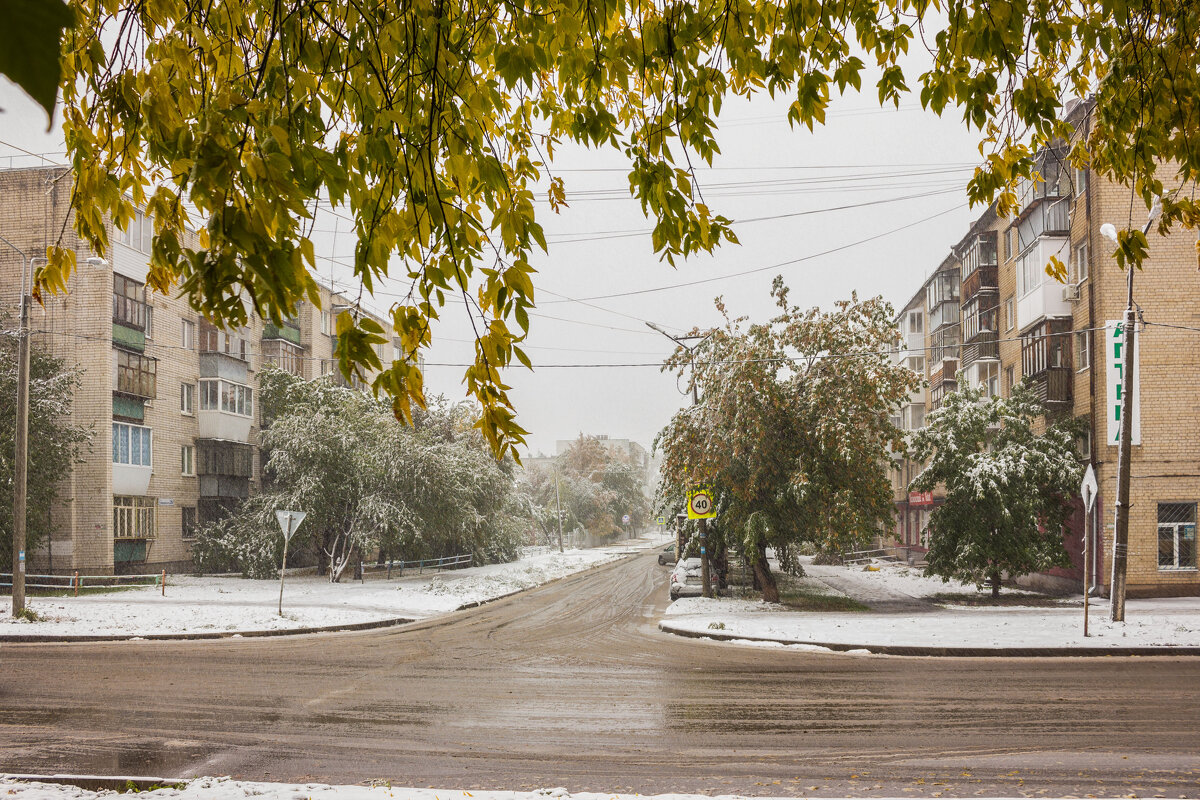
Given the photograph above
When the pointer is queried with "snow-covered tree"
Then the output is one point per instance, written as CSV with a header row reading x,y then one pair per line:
x,y
596,488
793,427
371,486
1008,488
55,443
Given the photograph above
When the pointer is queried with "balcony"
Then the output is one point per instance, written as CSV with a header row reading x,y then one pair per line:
x,y
1040,295
289,331
224,468
1054,387
135,375
947,313
982,347
945,373
984,279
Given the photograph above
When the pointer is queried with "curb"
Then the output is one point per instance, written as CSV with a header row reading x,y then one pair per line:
x,y
49,638
945,652
99,783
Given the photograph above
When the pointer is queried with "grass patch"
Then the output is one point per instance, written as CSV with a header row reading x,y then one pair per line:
x,y
985,600
85,590
797,595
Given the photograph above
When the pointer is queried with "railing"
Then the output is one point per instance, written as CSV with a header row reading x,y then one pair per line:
x,y
74,582
446,562
984,346
866,556
1054,385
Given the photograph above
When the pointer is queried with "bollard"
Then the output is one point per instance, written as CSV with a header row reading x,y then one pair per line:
x,y
75,583
164,583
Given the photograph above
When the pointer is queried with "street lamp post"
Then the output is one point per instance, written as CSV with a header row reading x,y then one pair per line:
x,y
1120,554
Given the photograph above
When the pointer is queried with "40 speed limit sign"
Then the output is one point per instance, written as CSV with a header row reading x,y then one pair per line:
x,y
700,504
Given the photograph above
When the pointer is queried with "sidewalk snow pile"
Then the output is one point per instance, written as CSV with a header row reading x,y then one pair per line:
x,y
226,789
208,605
1149,623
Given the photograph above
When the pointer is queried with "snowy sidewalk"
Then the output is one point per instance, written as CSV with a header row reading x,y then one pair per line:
x,y
1157,626
212,607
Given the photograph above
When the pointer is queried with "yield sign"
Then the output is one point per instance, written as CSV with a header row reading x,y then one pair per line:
x,y
1089,488
289,521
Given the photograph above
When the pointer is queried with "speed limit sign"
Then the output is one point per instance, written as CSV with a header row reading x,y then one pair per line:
x,y
700,504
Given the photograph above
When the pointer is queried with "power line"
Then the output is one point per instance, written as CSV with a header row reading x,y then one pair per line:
x,y
754,270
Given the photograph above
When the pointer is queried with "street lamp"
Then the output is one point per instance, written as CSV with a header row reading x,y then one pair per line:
x,y
1120,555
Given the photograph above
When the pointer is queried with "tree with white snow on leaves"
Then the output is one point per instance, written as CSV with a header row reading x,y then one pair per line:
x,y
1008,489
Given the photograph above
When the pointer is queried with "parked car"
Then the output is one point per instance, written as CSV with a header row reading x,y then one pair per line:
x,y
667,556
686,580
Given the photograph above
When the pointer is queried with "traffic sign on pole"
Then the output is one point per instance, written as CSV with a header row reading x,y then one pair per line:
x,y
1089,488
700,504
289,521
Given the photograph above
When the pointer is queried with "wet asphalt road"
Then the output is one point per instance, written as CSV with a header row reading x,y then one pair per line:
x,y
572,685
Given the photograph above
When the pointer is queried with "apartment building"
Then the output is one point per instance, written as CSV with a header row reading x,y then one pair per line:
x,y
177,393
1017,323
912,508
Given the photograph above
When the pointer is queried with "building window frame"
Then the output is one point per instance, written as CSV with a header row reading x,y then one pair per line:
x,y
1178,532
187,522
1010,318
187,399
135,517
139,233
1080,268
132,445
187,334
217,394
137,374
1083,351
187,461
129,302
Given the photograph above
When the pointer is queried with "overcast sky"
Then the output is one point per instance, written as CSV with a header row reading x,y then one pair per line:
x,y
800,197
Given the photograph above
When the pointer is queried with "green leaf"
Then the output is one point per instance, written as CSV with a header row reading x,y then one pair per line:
x,y
29,47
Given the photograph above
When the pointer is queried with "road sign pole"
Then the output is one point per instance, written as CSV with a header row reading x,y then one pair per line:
x,y
1088,490
704,557
287,537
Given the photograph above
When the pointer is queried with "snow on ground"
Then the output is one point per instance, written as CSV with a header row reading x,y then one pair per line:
x,y
210,604
214,788
1151,622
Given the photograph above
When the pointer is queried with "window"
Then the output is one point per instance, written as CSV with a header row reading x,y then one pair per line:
x,y
188,521
136,375
1176,535
139,234
131,445
129,302
1010,319
1083,350
917,364
188,335
1010,379
232,343
1080,179
326,323
187,460
135,517
149,321
1084,442
232,398
916,322
1081,262
1008,244
187,398
284,355
210,392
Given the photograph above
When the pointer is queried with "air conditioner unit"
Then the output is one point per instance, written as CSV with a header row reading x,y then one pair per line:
x,y
1071,291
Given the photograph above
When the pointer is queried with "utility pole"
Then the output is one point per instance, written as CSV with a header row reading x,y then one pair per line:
x,y
558,504
682,342
1120,555
21,439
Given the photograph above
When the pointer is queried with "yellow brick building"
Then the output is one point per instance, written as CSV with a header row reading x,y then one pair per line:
x,y
170,398
1017,323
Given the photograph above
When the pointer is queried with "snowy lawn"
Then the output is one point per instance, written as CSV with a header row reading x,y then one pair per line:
x,y
1157,622
214,788
210,605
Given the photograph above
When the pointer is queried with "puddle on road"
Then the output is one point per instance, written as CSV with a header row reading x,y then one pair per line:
x,y
157,759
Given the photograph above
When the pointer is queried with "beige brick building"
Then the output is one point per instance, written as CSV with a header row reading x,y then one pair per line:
x,y
1017,323
171,399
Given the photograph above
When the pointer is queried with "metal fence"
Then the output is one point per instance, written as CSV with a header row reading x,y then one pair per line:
x,y
74,582
446,562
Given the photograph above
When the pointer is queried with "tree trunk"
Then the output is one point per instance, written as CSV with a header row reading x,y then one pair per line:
x,y
763,576
995,578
